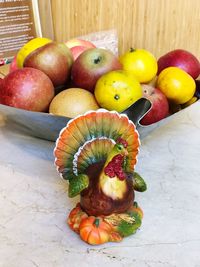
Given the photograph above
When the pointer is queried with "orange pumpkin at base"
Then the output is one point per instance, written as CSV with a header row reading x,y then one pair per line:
x,y
94,230
101,229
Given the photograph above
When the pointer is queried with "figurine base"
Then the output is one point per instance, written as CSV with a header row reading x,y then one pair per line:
x,y
112,228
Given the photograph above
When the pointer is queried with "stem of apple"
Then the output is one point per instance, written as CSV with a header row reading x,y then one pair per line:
x,y
97,60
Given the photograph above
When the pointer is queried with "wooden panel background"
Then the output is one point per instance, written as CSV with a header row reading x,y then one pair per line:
x,y
46,18
156,25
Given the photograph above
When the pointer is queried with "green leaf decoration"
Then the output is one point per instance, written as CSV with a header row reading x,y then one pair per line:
x,y
139,183
77,184
126,228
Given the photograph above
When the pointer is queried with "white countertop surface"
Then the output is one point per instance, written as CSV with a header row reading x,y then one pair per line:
x,y
34,203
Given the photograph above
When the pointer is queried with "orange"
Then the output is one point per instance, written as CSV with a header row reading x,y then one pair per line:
x,y
140,63
117,90
178,86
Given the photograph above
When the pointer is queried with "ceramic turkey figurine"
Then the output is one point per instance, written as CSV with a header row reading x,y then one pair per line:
x,y
97,152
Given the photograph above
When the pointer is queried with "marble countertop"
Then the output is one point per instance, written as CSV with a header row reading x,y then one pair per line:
x,y
34,203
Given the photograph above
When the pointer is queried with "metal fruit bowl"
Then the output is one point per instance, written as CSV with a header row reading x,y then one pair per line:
x,y
48,126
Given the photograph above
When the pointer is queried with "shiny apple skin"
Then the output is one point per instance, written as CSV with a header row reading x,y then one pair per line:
x,y
77,50
182,59
79,42
54,60
95,202
160,105
28,89
91,65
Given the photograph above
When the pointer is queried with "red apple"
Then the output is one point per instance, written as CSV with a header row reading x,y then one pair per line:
x,y
79,42
77,46
160,106
182,59
91,65
1,82
77,50
27,88
54,59
13,64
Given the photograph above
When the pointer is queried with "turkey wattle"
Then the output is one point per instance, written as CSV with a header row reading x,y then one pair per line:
x,y
97,153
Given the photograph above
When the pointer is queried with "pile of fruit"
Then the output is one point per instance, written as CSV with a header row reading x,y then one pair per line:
x,y
71,78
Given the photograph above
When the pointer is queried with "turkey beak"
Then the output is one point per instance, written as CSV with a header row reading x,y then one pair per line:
x,y
125,152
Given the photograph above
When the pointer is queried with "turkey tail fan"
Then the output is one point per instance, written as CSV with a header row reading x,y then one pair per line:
x,y
88,138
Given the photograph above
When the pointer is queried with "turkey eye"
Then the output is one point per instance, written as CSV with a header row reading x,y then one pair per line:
x,y
119,147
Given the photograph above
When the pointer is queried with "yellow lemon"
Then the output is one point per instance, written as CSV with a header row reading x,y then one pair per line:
x,y
117,90
30,47
178,86
140,63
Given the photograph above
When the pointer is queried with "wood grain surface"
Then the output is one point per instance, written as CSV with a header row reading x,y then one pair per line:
x,y
46,18
156,25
